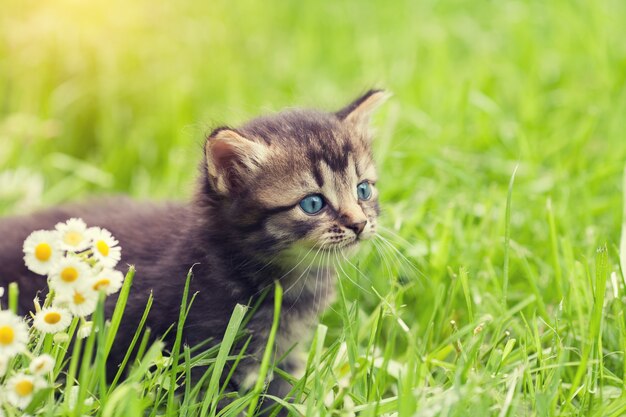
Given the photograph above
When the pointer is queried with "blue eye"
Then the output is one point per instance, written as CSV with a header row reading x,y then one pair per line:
x,y
312,204
364,191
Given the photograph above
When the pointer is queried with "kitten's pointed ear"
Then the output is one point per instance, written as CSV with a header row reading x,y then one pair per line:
x,y
360,110
231,159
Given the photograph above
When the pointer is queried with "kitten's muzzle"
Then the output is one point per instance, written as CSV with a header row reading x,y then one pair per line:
x,y
357,227
354,221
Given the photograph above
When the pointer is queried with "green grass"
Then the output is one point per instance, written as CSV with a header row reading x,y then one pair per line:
x,y
489,296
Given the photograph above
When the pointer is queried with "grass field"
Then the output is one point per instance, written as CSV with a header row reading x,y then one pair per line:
x,y
496,288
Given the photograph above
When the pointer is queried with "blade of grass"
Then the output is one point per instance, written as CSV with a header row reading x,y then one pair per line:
x,y
463,276
595,325
211,397
118,313
99,375
14,294
86,370
133,342
507,239
316,394
558,275
622,250
146,362
238,359
267,355
71,373
177,343
186,398
61,349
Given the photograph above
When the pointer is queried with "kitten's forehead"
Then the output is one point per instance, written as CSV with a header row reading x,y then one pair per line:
x,y
311,133
310,152
306,127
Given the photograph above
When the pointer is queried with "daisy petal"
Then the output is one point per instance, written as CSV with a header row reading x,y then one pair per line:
x,y
41,251
73,235
105,247
13,334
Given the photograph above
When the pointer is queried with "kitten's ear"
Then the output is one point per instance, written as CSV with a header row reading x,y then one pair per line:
x,y
360,110
231,159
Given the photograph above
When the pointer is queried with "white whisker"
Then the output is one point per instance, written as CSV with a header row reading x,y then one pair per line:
x,y
402,259
304,272
357,269
384,258
288,272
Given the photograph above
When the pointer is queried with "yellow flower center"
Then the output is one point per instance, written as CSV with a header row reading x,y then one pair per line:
x,y
69,274
52,317
43,252
72,238
78,298
102,247
101,284
24,388
7,334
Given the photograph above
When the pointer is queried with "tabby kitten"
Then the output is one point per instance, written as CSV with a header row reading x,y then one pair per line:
x,y
274,197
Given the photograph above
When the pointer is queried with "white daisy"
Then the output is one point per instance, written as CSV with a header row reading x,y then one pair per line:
x,y
104,247
73,235
41,251
13,334
81,301
69,273
41,365
20,389
109,281
52,320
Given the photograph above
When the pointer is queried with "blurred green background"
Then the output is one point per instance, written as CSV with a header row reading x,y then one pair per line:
x,y
105,97
117,96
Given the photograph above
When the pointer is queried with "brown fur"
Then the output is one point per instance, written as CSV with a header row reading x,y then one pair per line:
x,y
243,230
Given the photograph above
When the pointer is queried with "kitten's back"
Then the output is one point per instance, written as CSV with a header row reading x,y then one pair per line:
x,y
145,232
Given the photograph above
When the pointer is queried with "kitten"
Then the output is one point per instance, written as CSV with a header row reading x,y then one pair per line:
x,y
274,197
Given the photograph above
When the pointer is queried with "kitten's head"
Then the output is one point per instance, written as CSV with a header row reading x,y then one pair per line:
x,y
297,178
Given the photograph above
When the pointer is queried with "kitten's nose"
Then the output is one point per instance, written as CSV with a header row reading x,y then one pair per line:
x,y
354,221
357,227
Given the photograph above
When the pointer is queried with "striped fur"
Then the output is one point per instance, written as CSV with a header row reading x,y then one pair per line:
x,y
243,229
